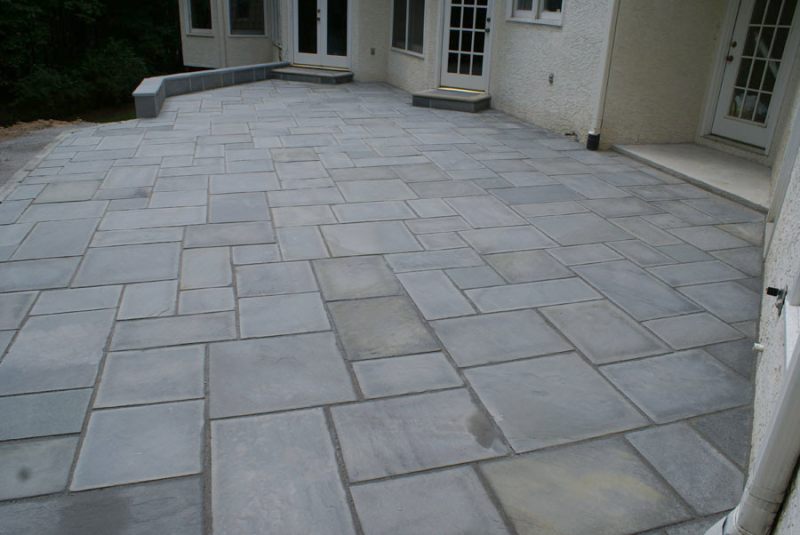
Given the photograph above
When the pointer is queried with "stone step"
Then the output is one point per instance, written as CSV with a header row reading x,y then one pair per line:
x,y
312,75
449,99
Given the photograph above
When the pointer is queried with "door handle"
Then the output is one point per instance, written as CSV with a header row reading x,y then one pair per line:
x,y
729,59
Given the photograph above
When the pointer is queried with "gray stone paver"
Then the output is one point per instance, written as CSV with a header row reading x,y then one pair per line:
x,y
180,267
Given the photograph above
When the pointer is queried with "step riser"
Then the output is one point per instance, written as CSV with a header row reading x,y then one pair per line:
x,y
452,105
313,79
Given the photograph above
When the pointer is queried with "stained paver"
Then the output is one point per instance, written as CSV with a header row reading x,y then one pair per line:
x,y
365,304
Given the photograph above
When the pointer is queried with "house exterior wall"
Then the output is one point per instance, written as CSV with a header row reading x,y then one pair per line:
x,y
412,72
370,31
662,58
524,55
781,267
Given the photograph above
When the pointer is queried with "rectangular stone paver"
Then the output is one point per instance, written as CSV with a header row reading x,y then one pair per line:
x,y
500,240
57,238
619,493
434,294
439,429
693,330
129,263
276,278
74,300
355,278
498,337
276,474
527,266
403,375
248,377
56,352
148,300
369,238
177,330
137,444
14,307
531,294
485,212
579,229
37,415
220,234
35,468
282,314
37,274
380,327
551,400
404,507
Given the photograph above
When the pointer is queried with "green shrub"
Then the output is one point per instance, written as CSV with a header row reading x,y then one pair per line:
x,y
112,72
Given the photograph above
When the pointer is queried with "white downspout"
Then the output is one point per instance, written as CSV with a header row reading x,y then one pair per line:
x,y
773,471
597,118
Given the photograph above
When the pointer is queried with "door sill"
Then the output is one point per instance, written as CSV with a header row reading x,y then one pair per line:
x,y
737,148
319,67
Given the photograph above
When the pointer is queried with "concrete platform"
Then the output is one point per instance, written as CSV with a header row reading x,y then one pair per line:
x,y
727,175
311,75
446,99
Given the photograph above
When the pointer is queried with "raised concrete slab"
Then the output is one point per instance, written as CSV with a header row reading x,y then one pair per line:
x,y
725,174
295,73
448,99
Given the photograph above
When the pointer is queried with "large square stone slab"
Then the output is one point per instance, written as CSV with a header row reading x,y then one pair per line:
x,y
206,268
708,481
174,507
282,314
274,279
137,444
277,374
551,400
400,435
355,278
636,291
498,337
38,415
380,327
31,468
402,375
618,493
369,238
603,332
404,506
56,352
158,375
129,263
276,474
680,385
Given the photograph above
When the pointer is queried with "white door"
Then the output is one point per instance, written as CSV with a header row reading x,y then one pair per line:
x,y
321,32
758,64
466,46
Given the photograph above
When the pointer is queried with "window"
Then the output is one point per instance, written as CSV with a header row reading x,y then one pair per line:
x,y
408,25
247,17
543,11
199,14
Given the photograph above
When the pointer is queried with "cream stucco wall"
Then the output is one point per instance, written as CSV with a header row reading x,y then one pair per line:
x,y
524,55
370,32
663,57
417,72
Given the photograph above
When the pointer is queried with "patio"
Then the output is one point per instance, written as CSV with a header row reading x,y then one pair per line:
x,y
285,308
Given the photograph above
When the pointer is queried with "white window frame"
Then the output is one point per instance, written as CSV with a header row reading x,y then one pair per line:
x,y
536,15
229,29
406,50
200,32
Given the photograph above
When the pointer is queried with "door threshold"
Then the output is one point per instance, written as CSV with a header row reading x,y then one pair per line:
x,y
319,67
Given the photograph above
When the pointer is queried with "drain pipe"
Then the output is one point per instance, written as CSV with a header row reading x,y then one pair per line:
x,y
773,471
593,138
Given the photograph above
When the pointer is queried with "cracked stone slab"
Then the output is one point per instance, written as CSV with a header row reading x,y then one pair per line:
x,y
499,337
438,429
276,374
680,385
572,401
56,352
380,327
137,444
129,263
403,506
255,474
619,492
652,298
38,415
702,476
603,332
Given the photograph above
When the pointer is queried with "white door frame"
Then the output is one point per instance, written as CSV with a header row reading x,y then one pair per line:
x,y
475,83
320,58
718,92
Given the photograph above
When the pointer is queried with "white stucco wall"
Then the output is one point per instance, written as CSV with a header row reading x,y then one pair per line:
x,y
524,55
781,266
414,72
663,56
370,31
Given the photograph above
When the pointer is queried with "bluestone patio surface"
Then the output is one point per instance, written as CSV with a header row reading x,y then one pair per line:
x,y
281,308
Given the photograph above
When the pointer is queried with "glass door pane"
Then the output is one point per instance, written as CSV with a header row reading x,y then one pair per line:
x,y
337,27
307,26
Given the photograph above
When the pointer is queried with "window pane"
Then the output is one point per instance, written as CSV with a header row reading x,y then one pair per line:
x,y
524,5
247,17
337,27
416,25
200,11
452,63
307,26
762,109
477,65
399,29
469,17
553,6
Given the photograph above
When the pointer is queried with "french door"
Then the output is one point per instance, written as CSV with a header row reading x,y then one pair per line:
x,y
760,55
466,46
321,32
